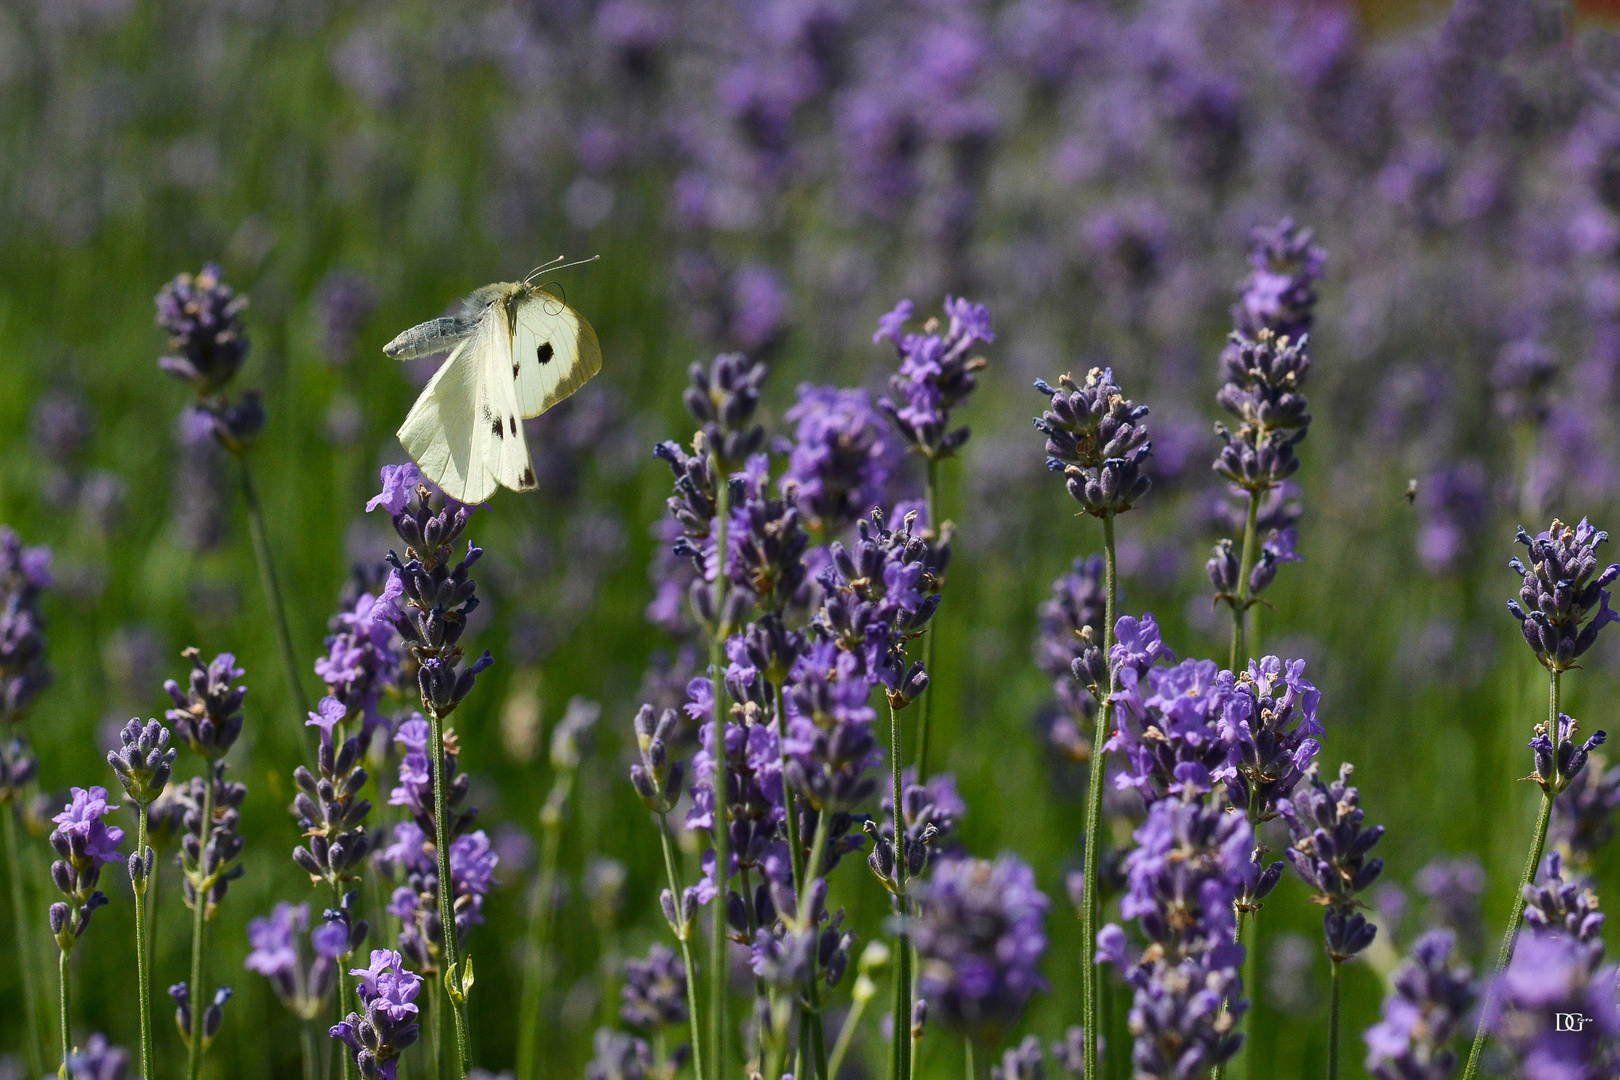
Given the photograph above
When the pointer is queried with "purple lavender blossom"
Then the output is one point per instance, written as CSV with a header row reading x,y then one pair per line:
x,y
361,660
618,1057
213,1015
1583,816
723,399
1022,1062
830,744
415,901
980,933
144,761
1553,974
1454,889
387,993
1562,587
1555,768
97,1059
1280,292
203,318
1567,906
208,713
1271,725
1452,505
1070,624
1169,736
1096,438
654,991
85,844
936,373
842,460
24,574
1429,998
766,542
328,807
880,593
1263,378
208,848
1329,851
1183,878
302,977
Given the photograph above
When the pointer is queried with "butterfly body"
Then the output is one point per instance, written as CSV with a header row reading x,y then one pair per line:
x,y
515,351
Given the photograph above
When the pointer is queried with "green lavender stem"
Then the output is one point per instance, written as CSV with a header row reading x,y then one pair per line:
x,y
1091,973
718,967
672,875
346,1064
540,924
1538,841
1333,1025
1240,607
811,1030
447,912
199,929
846,1034
902,941
67,1037
272,589
25,960
307,1043
969,1068
143,964
924,723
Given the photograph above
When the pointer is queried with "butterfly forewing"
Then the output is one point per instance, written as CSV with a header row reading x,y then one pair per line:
x,y
498,414
554,352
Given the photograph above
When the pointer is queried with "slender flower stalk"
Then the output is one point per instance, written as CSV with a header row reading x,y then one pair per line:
x,y
1095,437
873,959
1562,605
143,765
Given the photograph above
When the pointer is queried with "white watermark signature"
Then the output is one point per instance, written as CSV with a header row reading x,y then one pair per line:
x,y
1570,1021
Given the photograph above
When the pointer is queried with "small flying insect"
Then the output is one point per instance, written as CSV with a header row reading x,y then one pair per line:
x,y
1411,491
516,349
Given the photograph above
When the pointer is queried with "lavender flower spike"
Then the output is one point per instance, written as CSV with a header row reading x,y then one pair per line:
x,y
1429,999
1329,851
85,844
1564,601
387,993
1095,437
1553,974
936,374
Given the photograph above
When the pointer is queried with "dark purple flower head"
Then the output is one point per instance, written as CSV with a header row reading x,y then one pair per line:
x,y
1263,379
24,574
1330,851
842,459
1429,999
1553,975
98,1059
301,976
212,1018
1566,905
1095,437
415,788
936,373
1583,816
1183,878
654,991
203,318
1071,624
1563,603
328,806
1280,292
767,542
1270,723
1168,730
878,594
980,932
1556,767
830,744
208,713
145,760
723,399
432,595
387,993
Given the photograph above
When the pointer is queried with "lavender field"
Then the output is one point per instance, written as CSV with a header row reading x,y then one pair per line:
x,y
1123,481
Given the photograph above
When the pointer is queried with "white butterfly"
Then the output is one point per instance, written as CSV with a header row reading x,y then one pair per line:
x,y
517,350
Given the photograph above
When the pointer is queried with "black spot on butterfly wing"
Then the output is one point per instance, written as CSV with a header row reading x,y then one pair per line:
x,y
514,371
493,421
511,423
544,352
527,479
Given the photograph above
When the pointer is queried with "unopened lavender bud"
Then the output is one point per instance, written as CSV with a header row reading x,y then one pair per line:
x,y
919,1018
59,917
1223,568
666,901
214,1015
181,993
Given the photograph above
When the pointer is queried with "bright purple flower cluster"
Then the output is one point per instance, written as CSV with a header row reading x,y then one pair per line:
x,y
936,373
1270,723
387,993
830,745
415,902
1563,603
1096,438
1182,879
84,844
1169,735
879,593
843,458
361,660
303,982
437,596
1330,851
766,541
1553,975
980,931
24,574
1430,998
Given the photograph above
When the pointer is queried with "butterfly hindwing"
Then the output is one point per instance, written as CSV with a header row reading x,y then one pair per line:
x,y
498,412
554,352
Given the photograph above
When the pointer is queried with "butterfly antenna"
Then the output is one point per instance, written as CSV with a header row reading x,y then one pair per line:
x,y
570,266
543,266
